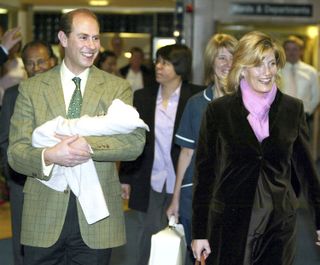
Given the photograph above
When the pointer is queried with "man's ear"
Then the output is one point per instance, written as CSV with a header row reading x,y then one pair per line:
x,y
52,62
63,38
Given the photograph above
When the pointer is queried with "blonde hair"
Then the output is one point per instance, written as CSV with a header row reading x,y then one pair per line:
x,y
250,52
216,42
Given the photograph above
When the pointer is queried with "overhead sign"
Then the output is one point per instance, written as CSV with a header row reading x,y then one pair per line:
x,y
264,9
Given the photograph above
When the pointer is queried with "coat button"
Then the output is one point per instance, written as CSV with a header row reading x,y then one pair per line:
x,y
260,157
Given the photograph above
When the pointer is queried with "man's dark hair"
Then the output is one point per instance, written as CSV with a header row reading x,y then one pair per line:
x,y
36,43
103,56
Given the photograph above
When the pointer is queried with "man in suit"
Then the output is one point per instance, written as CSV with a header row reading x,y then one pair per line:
x,y
54,228
138,75
300,79
37,57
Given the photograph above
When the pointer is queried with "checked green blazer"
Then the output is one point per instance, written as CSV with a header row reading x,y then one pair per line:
x,y
41,99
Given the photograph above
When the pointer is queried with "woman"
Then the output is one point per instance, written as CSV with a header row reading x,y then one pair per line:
x,y
244,206
152,176
217,63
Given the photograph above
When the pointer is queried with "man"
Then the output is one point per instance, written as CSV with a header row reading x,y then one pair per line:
x,y
138,75
37,57
54,228
300,80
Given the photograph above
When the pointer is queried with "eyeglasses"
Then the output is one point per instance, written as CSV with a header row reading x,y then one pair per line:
x,y
39,63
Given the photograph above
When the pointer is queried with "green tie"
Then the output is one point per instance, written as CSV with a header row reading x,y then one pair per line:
x,y
76,101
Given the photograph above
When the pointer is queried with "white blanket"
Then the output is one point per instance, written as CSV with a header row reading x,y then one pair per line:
x,y
83,179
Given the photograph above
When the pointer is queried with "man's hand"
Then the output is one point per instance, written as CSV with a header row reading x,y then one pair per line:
x,y
126,189
71,151
10,38
80,143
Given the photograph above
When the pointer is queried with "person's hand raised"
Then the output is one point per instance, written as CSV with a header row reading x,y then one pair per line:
x,y
11,37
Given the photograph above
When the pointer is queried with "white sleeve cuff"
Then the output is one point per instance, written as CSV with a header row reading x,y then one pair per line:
x,y
45,169
4,49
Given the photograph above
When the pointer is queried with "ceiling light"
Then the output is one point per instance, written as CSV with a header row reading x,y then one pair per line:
x,y
66,10
3,11
98,3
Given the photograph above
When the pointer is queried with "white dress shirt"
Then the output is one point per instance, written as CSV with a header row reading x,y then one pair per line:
x,y
307,84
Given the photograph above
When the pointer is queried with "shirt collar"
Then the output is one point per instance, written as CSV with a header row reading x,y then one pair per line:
x,y
174,96
67,75
208,93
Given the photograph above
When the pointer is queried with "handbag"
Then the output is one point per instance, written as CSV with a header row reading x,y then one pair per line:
x,y
168,246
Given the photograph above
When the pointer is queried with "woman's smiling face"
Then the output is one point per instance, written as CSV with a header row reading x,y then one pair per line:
x,y
261,78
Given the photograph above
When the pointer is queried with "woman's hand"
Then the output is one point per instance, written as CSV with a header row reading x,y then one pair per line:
x,y
173,209
200,247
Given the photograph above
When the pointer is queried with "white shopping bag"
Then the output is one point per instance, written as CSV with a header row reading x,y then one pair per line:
x,y
168,247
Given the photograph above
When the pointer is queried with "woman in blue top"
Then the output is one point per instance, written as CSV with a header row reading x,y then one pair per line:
x,y
217,63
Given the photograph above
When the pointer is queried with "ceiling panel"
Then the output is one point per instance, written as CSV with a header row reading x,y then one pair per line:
x,y
112,3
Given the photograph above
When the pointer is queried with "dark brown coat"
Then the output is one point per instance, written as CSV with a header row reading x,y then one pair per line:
x,y
229,162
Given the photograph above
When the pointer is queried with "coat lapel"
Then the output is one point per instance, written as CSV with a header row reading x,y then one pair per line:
x,y
53,93
272,115
93,93
184,96
241,112
274,110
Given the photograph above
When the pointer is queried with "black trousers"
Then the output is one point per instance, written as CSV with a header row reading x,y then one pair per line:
x,y
70,248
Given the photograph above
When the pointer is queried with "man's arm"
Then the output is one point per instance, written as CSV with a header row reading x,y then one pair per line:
x,y
120,147
315,91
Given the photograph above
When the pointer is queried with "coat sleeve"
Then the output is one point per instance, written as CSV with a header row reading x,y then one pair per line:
x,y
305,168
204,175
119,147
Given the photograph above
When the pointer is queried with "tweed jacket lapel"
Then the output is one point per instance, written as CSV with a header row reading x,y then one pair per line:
x,y
53,93
55,98
93,93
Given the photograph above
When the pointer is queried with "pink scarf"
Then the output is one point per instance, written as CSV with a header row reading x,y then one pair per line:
x,y
258,107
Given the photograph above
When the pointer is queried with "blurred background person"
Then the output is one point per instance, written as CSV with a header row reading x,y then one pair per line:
x,y
37,57
136,72
148,182
217,63
12,71
9,39
244,204
107,61
300,79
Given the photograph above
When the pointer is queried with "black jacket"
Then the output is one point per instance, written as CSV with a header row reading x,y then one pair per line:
x,y
9,101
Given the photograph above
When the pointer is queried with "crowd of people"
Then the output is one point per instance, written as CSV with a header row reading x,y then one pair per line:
x,y
227,159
